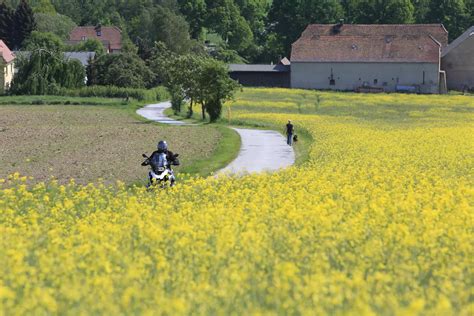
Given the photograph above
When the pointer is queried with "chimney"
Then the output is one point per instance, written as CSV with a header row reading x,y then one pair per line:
x,y
98,30
336,29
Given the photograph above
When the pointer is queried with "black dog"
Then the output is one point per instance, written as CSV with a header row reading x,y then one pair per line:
x,y
295,138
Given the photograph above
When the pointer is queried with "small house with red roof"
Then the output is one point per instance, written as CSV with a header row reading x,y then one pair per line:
x,y
7,66
374,57
110,36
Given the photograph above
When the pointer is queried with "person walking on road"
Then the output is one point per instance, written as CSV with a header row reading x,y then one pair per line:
x,y
290,130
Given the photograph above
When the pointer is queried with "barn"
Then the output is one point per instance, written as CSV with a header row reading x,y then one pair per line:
x,y
458,62
369,57
254,75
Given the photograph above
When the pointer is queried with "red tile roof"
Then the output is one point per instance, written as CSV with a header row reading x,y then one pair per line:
x,y
5,53
111,36
370,43
367,49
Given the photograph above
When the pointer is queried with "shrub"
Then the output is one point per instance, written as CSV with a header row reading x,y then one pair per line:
x,y
155,94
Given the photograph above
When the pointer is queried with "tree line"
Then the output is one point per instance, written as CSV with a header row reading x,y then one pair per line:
x,y
163,40
242,30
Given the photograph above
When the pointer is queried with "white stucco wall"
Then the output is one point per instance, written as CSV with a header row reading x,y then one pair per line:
x,y
349,76
459,65
6,75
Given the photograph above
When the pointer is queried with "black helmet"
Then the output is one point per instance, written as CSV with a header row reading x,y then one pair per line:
x,y
162,146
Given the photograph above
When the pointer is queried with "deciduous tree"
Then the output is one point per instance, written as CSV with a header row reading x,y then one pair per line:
x,y
58,24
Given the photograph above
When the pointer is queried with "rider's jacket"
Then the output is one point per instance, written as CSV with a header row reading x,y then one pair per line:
x,y
161,159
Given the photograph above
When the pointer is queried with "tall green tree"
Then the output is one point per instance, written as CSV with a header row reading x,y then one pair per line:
x,y
224,17
6,24
44,6
421,10
49,41
195,13
216,87
24,23
288,19
384,12
452,13
160,24
121,70
58,24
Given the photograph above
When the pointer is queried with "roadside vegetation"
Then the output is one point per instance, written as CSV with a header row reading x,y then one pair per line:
x,y
376,221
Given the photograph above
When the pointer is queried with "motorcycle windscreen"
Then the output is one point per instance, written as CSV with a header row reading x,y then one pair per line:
x,y
158,163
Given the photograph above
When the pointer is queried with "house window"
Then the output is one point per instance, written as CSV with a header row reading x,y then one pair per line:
x,y
83,38
99,33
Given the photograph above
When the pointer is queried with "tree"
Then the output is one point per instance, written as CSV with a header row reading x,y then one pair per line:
x,y
200,79
421,10
171,29
48,41
121,70
58,24
216,87
287,20
89,45
46,72
172,70
452,13
195,12
160,24
24,22
6,24
384,12
45,7
224,17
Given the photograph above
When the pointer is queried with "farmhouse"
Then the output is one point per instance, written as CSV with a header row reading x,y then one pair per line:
x,y
458,62
110,36
369,57
7,66
262,75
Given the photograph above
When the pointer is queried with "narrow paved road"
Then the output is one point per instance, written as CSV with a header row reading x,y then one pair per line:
x,y
155,112
261,150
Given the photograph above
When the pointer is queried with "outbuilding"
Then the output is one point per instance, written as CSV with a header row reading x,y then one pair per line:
x,y
458,62
261,75
369,57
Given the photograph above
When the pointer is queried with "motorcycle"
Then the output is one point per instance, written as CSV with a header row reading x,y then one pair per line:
x,y
161,174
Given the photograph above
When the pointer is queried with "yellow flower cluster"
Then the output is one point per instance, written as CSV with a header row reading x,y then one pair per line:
x,y
378,221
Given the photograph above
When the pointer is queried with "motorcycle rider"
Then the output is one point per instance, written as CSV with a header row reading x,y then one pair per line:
x,y
164,157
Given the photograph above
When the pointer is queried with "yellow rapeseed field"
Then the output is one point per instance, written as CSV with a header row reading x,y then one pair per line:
x,y
379,220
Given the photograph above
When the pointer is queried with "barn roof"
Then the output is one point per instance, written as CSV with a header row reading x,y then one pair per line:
x,y
436,30
370,43
258,68
110,35
82,57
469,34
5,53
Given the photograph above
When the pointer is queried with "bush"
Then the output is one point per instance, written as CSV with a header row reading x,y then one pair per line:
x,y
155,94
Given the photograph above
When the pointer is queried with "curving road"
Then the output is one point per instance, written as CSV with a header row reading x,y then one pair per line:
x,y
155,112
261,150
